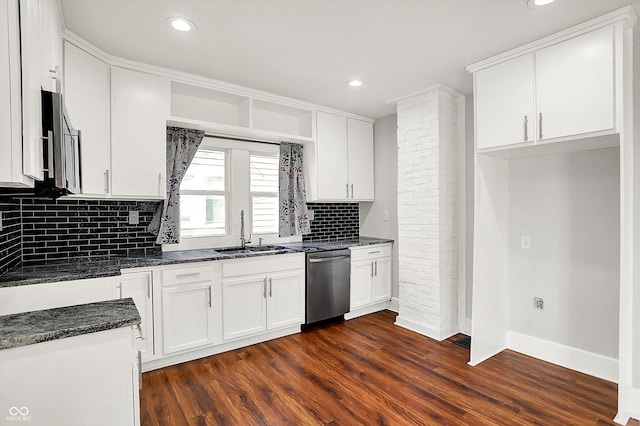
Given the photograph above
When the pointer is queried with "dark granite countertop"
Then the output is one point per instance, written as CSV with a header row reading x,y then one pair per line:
x,y
314,246
85,269
28,328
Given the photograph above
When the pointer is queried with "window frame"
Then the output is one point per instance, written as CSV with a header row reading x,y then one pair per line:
x,y
226,193
237,182
261,193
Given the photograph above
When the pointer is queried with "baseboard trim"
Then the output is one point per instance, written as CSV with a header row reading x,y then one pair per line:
x,y
576,359
629,407
424,330
366,310
190,355
394,305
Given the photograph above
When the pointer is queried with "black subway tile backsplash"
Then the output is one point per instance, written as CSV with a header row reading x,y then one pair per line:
x,y
37,230
88,229
10,234
333,221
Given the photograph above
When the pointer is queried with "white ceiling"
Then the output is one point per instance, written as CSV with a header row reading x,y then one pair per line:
x,y
308,49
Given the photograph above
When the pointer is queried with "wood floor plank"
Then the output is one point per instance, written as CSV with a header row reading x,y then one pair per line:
x,y
369,371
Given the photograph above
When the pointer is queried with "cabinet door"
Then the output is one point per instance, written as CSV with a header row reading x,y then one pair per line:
x,y
331,140
361,275
504,103
187,319
381,279
138,286
575,85
139,109
285,304
244,302
32,75
86,90
360,156
10,102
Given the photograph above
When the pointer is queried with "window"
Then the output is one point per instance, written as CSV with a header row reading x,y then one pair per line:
x,y
263,173
203,195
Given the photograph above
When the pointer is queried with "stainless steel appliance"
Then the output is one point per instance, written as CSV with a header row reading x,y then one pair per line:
x,y
61,150
328,284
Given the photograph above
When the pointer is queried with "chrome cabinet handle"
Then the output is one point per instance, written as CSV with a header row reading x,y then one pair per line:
x,y
376,263
139,369
264,288
120,290
106,181
159,183
374,252
327,259
526,128
148,289
372,269
209,296
270,288
351,190
188,274
540,124
140,335
347,185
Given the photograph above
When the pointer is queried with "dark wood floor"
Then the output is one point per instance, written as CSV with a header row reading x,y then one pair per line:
x,y
369,371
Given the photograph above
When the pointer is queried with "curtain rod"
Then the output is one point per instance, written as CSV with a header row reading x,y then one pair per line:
x,y
231,138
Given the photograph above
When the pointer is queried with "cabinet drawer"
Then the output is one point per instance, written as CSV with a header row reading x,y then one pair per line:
x,y
262,265
189,274
370,252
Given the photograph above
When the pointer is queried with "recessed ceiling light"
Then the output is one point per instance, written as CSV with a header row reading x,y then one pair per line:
x,y
181,24
538,3
354,83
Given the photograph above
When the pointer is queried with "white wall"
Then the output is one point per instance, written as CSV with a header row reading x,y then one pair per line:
x,y
372,223
569,206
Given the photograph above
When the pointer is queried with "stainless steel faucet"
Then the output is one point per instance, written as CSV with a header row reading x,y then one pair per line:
x,y
243,240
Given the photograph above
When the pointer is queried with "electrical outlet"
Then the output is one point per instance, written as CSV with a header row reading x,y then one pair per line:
x,y
134,217
311,214
385,215
525,242
538,303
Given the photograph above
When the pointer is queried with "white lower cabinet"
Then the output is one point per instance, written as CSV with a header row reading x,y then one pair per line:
x,y
82,380
270,297
370,276
139,286
189,307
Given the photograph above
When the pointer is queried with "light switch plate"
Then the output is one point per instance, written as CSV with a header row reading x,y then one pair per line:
x,y
385,215
134,217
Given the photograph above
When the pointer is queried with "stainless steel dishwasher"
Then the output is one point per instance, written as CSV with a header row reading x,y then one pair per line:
x,y
328,284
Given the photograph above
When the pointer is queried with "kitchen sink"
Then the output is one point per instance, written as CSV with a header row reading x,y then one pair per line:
x,y
249,249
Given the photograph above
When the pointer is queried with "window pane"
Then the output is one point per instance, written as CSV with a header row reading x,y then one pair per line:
x,y
202,215
206,172
264,173
265,214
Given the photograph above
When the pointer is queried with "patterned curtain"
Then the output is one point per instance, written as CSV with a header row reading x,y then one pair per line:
x,y
182,145
294,217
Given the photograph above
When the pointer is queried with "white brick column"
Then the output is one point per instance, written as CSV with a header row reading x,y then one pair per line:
x,y
428,211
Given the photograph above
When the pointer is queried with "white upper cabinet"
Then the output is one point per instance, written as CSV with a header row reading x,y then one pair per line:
x,y
360,156
343,159
10,104
575,86
86,95
333,177
504,103
139,110
560,92
40,24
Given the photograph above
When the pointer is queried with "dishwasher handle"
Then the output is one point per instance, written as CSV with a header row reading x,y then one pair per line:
x,y
327,259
